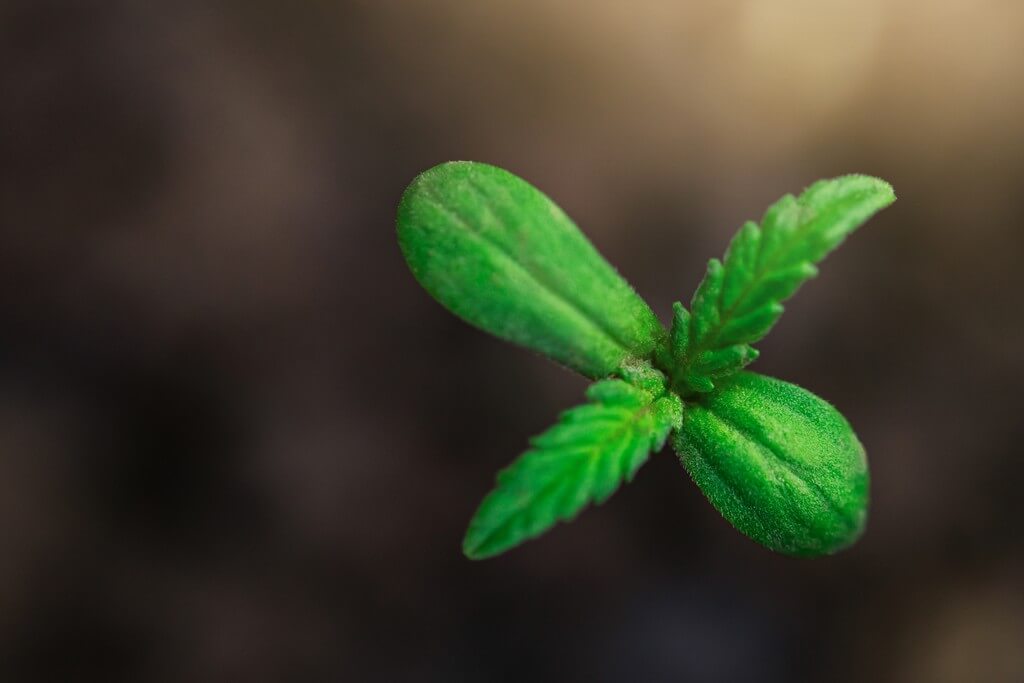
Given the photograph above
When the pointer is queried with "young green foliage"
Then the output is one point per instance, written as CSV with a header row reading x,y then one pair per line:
x,y
782,465
740,298
499,254
581,460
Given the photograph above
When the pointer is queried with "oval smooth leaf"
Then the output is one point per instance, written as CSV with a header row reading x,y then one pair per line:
x,y
498,253
780,464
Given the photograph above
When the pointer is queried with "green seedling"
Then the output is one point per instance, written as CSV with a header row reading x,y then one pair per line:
x,y
779,463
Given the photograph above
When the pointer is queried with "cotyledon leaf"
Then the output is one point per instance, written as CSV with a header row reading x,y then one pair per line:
x,y
782,465
740,298
501,255
581,459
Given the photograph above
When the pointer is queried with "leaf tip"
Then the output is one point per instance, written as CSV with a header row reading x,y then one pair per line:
x,y
882,190
437,176
473,548
473,555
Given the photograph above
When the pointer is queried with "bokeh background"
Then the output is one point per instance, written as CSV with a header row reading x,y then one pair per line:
x,y
239,443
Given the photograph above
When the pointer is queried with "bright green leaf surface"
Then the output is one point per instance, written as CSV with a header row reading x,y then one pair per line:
x,y
782,465
499,254
740,298
779,463
582,459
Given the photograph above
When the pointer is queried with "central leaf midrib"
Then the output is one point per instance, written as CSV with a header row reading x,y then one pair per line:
x,y
590,453
578,305
762,444
545,285
762,270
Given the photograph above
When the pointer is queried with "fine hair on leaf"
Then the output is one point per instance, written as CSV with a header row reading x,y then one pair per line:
x,y
779,463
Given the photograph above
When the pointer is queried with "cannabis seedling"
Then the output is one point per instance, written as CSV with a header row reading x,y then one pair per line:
x,y
782,465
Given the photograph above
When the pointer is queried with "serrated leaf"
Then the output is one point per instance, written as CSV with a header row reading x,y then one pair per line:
x,y
581,460
740,298
729,357
706,313
752,325
680,336
501,255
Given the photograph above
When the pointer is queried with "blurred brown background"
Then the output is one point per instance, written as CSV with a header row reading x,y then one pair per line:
x,y
239,443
